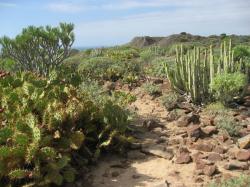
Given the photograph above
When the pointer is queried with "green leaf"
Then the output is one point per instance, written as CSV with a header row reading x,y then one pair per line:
x,y
5,133
76,139
18,174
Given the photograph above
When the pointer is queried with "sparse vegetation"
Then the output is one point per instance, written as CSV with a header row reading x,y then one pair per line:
x,y
152,89
228,123
241,181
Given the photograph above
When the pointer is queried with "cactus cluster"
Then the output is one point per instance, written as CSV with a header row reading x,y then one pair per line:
x,y
43,122
192,73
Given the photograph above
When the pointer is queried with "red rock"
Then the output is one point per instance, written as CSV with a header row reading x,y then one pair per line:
x,y
209,170
243,155
183,156
219,149
198,156
200,164
243,132
236,165
194,132
214,157
206,147
208,130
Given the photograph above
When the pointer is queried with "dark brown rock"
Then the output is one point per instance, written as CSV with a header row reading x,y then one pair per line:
x,y
243,155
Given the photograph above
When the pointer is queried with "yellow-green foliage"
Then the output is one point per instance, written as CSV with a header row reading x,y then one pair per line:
x,y
44,122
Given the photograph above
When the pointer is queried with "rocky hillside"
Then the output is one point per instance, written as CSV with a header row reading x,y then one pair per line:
x,y
186,38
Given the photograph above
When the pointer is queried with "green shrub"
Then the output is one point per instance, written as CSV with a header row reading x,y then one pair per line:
x,y
7,64
241,52
228,123
40,49
103,68
44,122
124,54
147,55
216,109
241,181
99,68
228,85
152,89
169,100
156,67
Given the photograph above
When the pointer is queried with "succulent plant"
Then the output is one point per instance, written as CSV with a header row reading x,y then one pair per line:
x,y
43,123
192,73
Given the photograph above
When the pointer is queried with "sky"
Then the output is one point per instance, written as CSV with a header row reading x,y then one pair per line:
x,y
114,22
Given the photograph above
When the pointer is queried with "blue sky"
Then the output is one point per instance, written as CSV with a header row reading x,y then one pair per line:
x,y
113,22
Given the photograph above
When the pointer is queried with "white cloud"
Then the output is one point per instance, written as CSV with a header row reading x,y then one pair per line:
x,y
207,18
7,4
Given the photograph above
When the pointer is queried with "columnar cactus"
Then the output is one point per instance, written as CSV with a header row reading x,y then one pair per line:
x,y
193,72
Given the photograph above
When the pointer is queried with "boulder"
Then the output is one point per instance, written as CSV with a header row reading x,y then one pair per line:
x,y
209,130
219,149
244,142
209,170
236,165
185,120
183,156
206,147
214,157
243,155
194,132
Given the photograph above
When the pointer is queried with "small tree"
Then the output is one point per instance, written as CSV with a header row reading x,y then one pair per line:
x,y
40,49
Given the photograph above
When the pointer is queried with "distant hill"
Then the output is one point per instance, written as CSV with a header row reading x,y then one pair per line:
x,y
186,38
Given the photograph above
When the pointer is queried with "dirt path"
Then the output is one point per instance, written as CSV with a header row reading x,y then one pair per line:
x,y
152,162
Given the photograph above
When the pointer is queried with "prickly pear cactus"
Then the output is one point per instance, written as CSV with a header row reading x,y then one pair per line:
x,y
43,122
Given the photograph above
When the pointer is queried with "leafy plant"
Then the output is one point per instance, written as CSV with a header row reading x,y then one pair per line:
x,y
40,49
169,100
216,109
44,122
228,85
228,124
152,89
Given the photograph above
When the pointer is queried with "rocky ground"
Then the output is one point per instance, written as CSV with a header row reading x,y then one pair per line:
x,y
184,151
